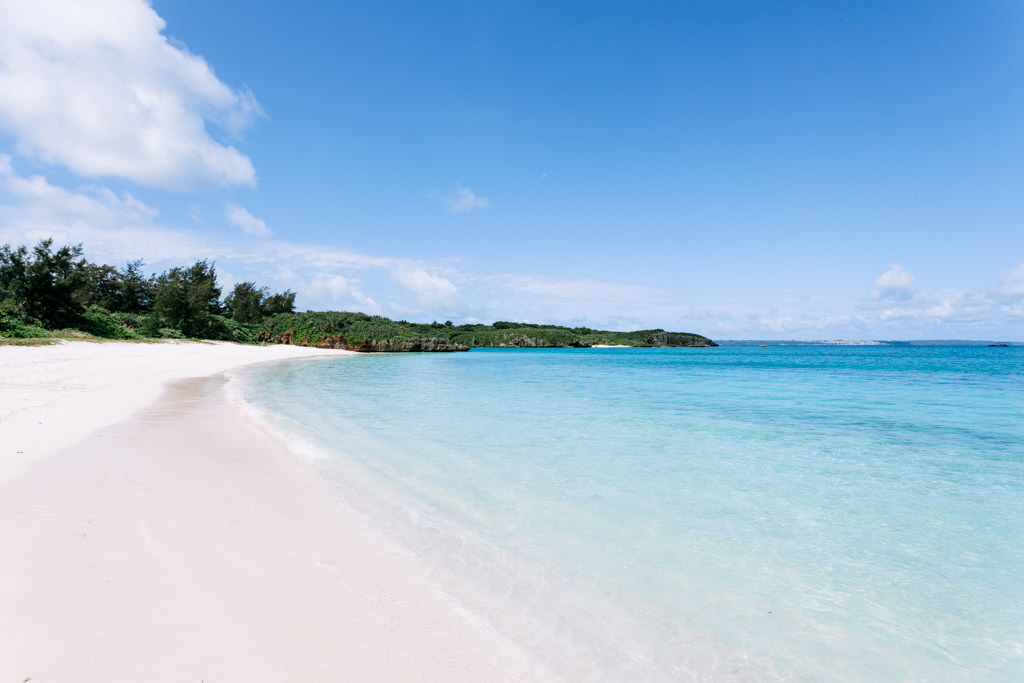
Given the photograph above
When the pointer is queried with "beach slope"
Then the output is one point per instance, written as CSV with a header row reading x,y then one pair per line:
x,y
185,543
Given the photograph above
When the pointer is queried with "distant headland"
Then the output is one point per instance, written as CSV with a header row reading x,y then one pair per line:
x,y
361,332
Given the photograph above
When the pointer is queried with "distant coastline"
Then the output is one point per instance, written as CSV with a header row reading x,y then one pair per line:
x,y
867,342
48,293
361,332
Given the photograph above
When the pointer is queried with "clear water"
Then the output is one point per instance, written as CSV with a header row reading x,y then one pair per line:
x,y
739,513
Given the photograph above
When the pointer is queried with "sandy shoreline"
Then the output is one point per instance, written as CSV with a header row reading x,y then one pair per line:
x,y
185,543
53,396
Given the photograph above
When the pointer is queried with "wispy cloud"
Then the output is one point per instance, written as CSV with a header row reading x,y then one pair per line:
x,y
1011,285
98,88
245,221
117,227
590,302
463,199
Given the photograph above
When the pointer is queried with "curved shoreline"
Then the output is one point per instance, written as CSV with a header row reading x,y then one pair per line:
x,y
53,396
186,543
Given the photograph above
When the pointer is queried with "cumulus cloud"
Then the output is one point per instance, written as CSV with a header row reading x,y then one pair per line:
x,y
463,199
985,307
893,284
116,227
97,87
244,220
103,206
428,288
894,278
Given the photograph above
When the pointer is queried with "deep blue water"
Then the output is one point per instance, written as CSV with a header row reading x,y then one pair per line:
x,y
735,513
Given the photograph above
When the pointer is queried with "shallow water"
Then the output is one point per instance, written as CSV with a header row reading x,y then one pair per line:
x,y
735,513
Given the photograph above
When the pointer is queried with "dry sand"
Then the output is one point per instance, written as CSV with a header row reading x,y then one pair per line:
x,y
186,544
54,396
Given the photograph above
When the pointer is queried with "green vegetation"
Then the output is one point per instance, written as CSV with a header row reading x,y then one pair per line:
x,y
47,293
331,328
355,330
58,294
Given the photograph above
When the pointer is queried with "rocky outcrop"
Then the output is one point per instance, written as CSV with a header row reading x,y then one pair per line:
x,y
525,342
678,339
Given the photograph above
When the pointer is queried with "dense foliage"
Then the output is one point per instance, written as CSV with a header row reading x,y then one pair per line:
x,y
46,292
47,286
352,330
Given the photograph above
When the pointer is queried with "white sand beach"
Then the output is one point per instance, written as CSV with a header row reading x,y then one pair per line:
x,y
151,531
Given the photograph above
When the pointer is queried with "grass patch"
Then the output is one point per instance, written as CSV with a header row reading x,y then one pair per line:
x,y
27,341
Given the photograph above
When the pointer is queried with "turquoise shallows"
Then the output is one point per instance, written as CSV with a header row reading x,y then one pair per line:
x,y
833,513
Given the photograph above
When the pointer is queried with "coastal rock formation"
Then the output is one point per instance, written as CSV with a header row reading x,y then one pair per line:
x,y
679,339
525,342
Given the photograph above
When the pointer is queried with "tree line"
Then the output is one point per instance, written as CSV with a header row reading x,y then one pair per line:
x,y
43,288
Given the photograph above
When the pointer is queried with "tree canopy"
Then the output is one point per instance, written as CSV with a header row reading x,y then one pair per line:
x,y
46,288
48,285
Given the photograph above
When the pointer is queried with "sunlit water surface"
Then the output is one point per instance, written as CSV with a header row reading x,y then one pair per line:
x,y
737,513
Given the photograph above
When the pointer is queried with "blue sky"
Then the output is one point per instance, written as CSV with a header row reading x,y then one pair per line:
x,y
800,170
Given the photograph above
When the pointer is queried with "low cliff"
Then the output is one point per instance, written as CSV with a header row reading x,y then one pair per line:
x,y
678,339
524,341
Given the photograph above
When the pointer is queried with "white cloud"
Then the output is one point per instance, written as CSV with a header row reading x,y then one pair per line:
x,y
116,228
894,278
1012,284
244,220
463,199
985,307
429,289
943,307
119,228
893,284
97,87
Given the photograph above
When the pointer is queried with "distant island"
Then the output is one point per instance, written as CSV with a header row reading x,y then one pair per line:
x,y
47,293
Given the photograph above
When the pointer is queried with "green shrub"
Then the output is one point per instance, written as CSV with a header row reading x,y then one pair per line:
x,y
149,326
100,323
130,321
238,332
16,324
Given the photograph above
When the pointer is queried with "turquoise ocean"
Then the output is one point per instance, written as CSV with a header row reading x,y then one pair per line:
x,y
807,513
